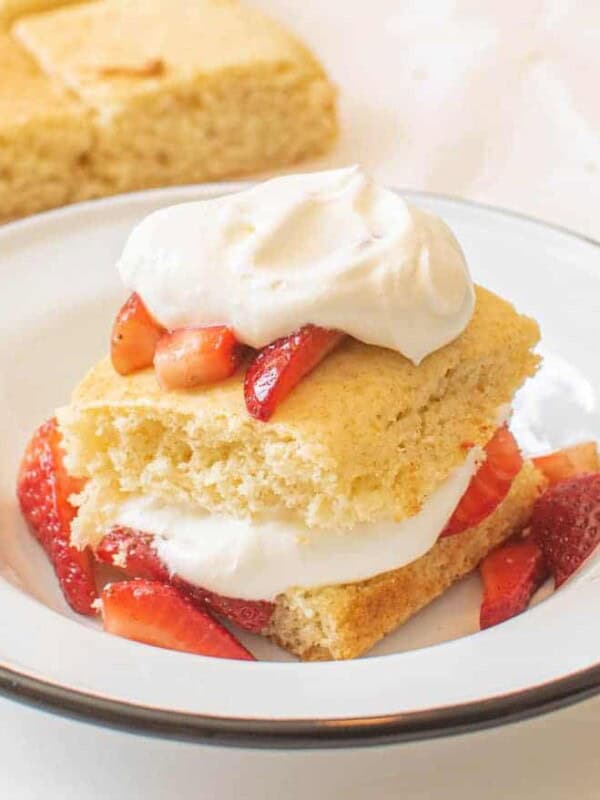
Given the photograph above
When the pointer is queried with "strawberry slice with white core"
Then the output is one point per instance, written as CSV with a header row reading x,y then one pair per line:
x,y
568,462
280,366
135,335
157,614
133,551
566,524
490,484
190,357
43,489
511,575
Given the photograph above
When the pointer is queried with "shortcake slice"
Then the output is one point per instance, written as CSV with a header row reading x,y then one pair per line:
x,y
303,425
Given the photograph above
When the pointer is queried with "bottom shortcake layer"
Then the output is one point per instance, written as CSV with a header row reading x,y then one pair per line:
x,y
344,621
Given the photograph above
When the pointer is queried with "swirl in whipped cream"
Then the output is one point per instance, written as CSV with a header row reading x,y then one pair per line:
x,y
330,248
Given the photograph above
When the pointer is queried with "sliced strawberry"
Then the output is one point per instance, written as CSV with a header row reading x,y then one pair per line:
x,y
251,615
158,614
568,462
280,366
490,484
135,335
566,524
511,575
43,489
191,357
134,552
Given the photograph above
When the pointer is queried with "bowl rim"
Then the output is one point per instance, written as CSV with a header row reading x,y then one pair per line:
x,y
285,734
295,733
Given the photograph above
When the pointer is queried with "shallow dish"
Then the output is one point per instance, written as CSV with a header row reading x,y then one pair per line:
x,y
435,675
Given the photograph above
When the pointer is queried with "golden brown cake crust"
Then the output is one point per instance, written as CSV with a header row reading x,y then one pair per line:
x,y
100,49
366,436
44,135
110,96
184,91
11,10
340,622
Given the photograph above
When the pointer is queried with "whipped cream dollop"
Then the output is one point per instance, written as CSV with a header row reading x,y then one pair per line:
x,y
331,248
259,559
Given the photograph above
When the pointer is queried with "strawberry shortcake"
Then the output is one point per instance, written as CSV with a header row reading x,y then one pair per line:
x,y
302,427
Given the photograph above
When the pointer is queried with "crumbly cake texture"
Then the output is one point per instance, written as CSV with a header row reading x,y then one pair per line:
x,y
44,137
367,436
340,622
176,91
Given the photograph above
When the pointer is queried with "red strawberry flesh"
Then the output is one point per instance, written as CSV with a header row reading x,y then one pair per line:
x,y
490,484
511,574
191,357
134,338
566,524
279,367
134,552
251,615
43,490
158,614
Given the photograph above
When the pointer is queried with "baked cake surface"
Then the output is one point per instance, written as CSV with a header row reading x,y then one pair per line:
x,y
12,9
184,90
367,436
44,136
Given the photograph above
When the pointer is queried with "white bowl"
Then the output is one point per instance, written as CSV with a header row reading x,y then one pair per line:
x,y
436,675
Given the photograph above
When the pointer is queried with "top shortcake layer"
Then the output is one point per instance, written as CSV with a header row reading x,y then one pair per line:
x,y
366,436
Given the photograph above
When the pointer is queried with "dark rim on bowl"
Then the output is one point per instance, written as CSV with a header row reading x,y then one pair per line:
x,y
293,733
310,733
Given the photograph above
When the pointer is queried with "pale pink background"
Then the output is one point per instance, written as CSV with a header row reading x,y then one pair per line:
x,y
494,100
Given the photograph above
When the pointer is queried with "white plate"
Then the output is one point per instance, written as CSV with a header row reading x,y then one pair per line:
x,y
58,294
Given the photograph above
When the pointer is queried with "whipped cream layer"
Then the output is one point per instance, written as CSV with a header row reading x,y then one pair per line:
x,y
330,248
257,560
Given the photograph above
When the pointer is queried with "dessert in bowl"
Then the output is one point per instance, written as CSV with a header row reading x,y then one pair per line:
x,y
302,427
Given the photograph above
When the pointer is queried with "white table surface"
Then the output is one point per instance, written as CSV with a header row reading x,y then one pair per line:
x,y
496,101
45,757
